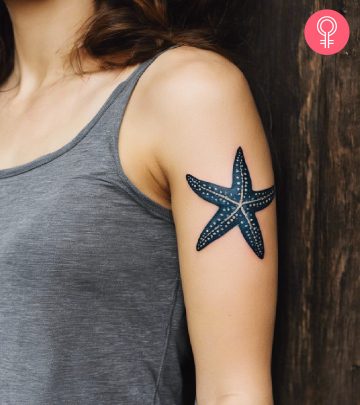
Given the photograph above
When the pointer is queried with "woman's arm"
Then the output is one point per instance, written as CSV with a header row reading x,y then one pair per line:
x,y
211,133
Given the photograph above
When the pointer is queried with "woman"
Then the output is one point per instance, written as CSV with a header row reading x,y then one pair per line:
x,y
113,224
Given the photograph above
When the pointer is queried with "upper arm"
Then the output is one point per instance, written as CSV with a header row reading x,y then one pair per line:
x,y
207,112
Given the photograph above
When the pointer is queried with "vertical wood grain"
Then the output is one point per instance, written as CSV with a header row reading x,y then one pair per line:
x,y
315,137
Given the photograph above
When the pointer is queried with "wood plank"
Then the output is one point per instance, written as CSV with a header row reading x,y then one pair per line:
x,y
314,133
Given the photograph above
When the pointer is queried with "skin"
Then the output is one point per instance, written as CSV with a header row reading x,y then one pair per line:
x,y
43,99
230,294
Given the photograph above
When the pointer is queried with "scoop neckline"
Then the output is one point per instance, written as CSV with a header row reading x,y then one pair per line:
x,y
48,157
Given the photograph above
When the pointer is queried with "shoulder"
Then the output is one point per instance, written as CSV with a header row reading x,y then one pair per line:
x,y
196,109
188,75
190,90
200,102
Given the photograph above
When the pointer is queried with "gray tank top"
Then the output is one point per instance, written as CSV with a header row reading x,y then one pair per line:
x,y
91,302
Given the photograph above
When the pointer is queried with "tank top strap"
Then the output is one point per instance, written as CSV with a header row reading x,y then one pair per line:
x,y
120,96
115,107
110,123
131,81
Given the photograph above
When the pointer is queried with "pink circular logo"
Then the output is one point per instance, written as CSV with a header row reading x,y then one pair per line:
x,y
327,32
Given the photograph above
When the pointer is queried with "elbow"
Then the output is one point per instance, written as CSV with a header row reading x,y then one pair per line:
x,y
245,398
251,393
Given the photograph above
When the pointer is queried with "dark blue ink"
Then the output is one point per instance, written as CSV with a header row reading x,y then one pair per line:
x,y
237,206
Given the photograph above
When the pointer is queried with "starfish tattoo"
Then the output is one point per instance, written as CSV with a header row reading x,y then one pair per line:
x,y
237,206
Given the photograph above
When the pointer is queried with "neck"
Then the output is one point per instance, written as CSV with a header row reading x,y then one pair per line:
x,y
44,33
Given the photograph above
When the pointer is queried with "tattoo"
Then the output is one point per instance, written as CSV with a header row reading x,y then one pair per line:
x,y
237,206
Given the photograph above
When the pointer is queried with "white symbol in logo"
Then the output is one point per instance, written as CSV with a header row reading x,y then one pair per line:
x,y
330,31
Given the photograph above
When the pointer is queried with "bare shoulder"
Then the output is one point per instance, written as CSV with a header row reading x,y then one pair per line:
x,y
197,87
200,101
188,73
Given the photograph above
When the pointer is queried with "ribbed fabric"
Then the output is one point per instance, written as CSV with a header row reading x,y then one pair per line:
x,y
91,302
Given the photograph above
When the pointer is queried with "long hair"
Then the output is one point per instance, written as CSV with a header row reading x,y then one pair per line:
x,y
126,32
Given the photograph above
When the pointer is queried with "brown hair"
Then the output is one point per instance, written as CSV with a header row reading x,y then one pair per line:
x,y
127,32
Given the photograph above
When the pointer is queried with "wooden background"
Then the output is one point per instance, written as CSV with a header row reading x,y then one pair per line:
x,y
310,106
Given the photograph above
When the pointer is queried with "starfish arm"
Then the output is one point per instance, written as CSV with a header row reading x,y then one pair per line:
x,y
241,181
218,195
261,199
220,223
250,229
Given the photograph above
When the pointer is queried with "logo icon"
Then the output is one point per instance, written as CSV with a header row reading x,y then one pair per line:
x,y
327,32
